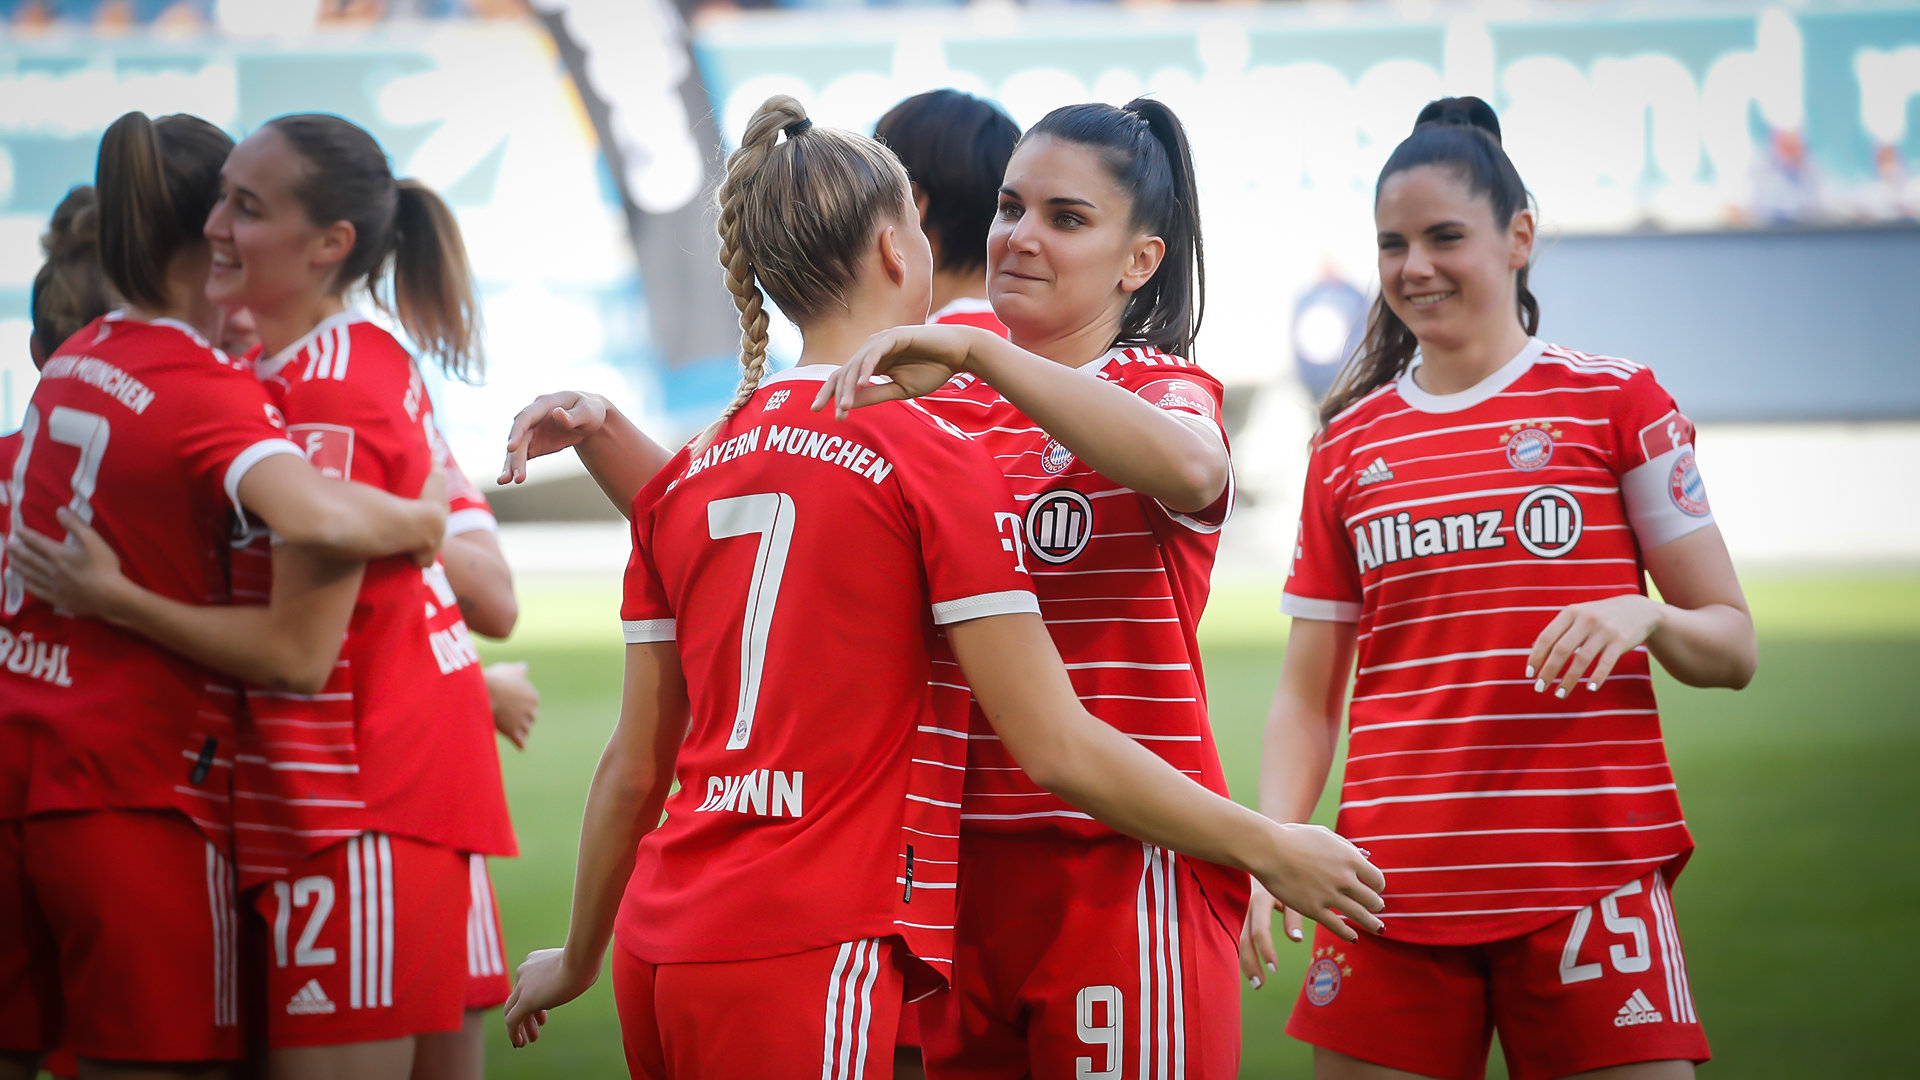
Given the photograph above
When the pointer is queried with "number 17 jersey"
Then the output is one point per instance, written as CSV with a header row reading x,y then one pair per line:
x,y
804,566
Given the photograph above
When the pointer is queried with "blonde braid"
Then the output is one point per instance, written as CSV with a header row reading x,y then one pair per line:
x,y
743,168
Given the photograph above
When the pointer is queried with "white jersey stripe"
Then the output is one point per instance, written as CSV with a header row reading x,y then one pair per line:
x,y
827,1056
1377,627
1368,448
1446,721
1482,911
1351,783
1526,865
1143,917
1524,793
1448,658
356,930
1504,746
866,1008
1406,575
1462,496
1177,979
1506,832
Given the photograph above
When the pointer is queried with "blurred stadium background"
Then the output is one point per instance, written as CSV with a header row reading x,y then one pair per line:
x,y
1730,193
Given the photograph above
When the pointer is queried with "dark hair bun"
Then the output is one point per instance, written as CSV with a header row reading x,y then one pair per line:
x,y
75,227
1468,111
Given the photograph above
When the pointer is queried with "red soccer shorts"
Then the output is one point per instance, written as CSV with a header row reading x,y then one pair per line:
x,y
1085,958
368,942
1605,986
825,1014
487,985
908,1037
127,938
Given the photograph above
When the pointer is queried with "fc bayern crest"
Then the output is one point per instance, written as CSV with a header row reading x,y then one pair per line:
x,y
1529,449
1684,484
1055,458
1323,981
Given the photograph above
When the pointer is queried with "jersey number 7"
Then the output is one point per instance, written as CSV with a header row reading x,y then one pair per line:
x,y
771,516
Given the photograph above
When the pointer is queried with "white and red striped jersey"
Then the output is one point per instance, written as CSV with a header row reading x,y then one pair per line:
x,y
1122,583
401,738
1453,528
145,431
804,566
969,311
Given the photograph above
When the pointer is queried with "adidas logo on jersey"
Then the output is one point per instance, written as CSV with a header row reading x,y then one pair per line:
x,y
1638,1010
1374,473
310,1000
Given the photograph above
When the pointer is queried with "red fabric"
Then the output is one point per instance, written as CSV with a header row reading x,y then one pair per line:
x,y
366,941
487,981
908,1037
1052,932
1122,584
825,1013
146,981
1493,809
401,739
156,429
1621,996
883,527
970,312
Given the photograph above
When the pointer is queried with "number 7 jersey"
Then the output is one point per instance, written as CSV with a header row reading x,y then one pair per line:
x,y
804,566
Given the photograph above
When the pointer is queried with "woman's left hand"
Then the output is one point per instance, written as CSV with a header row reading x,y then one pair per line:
x,y
81,576
919,360
1592,636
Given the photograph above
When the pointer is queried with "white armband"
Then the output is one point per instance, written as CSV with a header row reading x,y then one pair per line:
x,y
1666,498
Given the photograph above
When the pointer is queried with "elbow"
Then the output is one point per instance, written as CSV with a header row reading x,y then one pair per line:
x,y
1197,483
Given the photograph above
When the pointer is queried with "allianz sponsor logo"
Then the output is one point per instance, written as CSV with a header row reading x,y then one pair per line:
x,y
43,660
762,793
1547,523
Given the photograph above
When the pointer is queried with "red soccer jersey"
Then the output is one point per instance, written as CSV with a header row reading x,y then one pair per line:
x,y
804,566
146,431
467,506
969,311
401,738
1122,583
1452,528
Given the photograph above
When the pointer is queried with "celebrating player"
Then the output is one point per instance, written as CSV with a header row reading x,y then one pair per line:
x,y
117,754
1479,509
955,148
804,875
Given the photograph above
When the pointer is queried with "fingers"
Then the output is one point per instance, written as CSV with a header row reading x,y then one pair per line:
x,y
1358,915
1372,877
873,394
1543,645
1365,897
1249,964
1291,920
1332,921
1604,668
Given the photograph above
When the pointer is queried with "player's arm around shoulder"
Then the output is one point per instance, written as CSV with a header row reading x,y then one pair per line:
x,y
1700,629
624,803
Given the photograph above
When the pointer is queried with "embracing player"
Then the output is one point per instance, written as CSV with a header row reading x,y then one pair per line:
x,y
791,580
1477,518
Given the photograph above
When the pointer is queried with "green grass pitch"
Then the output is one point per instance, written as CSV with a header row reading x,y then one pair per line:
x,y
1799,909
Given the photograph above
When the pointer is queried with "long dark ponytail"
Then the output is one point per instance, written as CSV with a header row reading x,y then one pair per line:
x,y
156,182
402,232
1145,149
1461,134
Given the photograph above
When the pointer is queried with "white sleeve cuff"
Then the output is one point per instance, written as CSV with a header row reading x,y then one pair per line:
x,y
643,631
1203,527
472,519
1306,607
247,459
1665,498
1011,602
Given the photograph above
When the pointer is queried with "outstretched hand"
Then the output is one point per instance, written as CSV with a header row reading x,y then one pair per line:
x,y
551,424
81,576
1585,641
918,360
1324,877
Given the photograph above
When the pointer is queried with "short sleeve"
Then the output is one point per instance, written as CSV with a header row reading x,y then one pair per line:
x,y
1659,479
970,531
1196,398
348,434
467,506
225,427
1324,581
646,612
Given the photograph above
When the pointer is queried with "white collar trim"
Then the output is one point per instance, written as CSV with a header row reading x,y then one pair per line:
x,y
1473,395
268,367
120,315
963,305
809,373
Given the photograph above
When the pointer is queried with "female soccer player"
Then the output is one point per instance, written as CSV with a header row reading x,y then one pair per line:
x,y
1479,509
359,806
955,148
117,754
804,874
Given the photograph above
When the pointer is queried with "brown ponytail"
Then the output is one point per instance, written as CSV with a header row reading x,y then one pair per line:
x,y
1461,134
70,289
156,182
407,251
795,218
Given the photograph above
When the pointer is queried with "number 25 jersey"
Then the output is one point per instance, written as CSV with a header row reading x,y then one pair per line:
x,y
804,566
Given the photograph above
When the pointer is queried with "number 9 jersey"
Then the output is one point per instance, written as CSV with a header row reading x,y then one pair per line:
x,y
804,567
